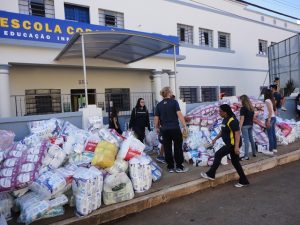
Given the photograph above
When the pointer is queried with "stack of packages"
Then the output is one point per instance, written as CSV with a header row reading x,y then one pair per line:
x,y
204,124
59,164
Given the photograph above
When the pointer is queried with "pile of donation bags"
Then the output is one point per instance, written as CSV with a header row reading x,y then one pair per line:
x,y
60,164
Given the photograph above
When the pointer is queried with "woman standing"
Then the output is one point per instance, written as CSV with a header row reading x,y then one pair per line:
x,y
230,133
246,124
166,122
139,119
114,121
270,120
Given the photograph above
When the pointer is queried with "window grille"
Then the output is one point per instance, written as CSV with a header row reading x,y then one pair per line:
x,y
111,18
224,40
227,91
209,94
42,101
185,33
206,37
77,13
44,8
189,94
118,98
262,47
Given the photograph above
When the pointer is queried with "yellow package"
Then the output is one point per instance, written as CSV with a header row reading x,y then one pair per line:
x,y
105,154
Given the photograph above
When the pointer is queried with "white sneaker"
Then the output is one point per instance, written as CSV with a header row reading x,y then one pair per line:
x,y
239,185
267,152
275,150
283,109
205,176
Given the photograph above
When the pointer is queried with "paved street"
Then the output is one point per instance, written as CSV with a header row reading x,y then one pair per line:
x,y
273,198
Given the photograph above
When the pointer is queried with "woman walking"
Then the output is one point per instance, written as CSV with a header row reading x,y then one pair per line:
x,y
230,133
246,124
166,122
139,119
270,120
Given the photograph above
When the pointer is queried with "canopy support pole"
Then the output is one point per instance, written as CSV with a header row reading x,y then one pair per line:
x,y
175,72
84,70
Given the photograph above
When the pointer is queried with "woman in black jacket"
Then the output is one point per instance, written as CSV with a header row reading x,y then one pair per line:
x,y
139,119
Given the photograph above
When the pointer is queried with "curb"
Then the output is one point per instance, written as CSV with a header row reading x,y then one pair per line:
x,y
116,211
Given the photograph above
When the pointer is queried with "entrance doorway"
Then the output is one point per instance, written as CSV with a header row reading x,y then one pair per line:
x,y
78,98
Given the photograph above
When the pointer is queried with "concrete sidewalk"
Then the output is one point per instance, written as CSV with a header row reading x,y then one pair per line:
x,y
174,185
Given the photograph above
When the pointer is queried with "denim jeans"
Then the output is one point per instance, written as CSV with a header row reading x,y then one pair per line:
x,y
248,136
272,135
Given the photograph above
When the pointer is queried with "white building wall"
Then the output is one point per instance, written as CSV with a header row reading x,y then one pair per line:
x,y
240,66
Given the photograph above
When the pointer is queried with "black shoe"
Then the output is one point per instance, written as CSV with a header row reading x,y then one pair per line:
x,y
254,155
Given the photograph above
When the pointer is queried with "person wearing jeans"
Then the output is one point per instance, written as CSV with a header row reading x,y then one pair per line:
x,y
230,133
246,123
270,120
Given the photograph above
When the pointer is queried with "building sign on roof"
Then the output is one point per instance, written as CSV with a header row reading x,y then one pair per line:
x,y
41,29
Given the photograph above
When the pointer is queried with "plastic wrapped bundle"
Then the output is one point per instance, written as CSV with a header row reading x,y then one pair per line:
x,y
120,165
130,148
140,173
6,139
156,171
117,188
34,211
151,138
105,154
49,184
20,166
87,187
6,203
54,157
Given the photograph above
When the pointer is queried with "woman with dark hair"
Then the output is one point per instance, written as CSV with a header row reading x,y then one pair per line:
x,y
139,119
166,122
230,133
114,121
270,120
246,124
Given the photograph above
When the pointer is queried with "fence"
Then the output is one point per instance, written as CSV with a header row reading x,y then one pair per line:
x,y
39,104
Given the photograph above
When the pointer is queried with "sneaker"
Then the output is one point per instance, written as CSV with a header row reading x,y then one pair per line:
x,y
245,158
171,170
161,159
275,150
254,155
182,170
205,176
283,109
239,185
267,152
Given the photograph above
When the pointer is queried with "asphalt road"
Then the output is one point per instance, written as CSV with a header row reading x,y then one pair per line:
x,y
272,198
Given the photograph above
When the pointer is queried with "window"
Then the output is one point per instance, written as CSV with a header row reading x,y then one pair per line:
x,y
37,7
189,94
227,91
111,18
262,47
206,37
209,94
77,13
43,8
118,97
224,40
42,101
185,33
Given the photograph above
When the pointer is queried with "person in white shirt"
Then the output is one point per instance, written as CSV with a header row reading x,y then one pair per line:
x,y
270,120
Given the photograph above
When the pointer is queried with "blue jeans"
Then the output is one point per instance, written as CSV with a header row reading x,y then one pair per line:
x,y
272,135
248,136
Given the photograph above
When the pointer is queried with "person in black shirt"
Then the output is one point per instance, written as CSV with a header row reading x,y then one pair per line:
x,y
230,133
114,121
298,105
278,98
246,124
139,119
166,122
